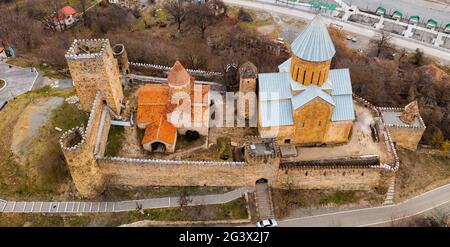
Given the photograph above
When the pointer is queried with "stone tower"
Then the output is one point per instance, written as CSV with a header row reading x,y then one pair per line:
x,y
93,67
247,77
121,55
81,146
248,73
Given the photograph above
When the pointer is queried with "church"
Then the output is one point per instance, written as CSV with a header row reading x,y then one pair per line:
x,y
306,102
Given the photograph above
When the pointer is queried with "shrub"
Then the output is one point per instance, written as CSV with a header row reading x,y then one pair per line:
x,y
244,16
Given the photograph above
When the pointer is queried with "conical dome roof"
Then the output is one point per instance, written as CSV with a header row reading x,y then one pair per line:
x,y
178,75
314,42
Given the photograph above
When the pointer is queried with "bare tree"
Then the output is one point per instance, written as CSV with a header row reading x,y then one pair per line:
x,y
184,199
178,10
202,16
382,44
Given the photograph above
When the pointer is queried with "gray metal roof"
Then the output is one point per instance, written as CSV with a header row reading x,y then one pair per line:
x,y
311,92
285,66
393,117
276,113
274,86
343,109
341,82
314,42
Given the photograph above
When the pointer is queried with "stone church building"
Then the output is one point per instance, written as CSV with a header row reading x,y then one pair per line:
x,y
306,102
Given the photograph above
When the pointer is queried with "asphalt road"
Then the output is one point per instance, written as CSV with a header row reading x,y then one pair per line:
x,y
424,9
441,55
437,198
19,81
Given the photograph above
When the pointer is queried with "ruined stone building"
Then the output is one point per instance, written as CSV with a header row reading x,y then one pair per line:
x,y
306,102
164,110
405,124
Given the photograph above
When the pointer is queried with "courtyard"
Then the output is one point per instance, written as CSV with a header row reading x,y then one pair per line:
x,y
361,142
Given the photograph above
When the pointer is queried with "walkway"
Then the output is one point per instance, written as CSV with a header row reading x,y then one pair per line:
x,y
120,206
437,198
263,201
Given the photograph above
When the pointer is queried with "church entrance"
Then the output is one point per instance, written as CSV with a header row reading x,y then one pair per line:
x,y
158,147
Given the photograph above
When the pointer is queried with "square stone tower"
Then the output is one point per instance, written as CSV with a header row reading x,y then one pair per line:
x,y
93,67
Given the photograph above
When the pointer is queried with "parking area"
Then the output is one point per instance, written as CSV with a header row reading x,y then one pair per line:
x,y
424,36
18,81
394,28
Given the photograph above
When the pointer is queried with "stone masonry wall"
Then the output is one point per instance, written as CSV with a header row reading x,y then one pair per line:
x,y
134,172
406,137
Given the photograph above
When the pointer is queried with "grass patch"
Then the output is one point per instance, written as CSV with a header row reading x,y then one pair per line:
x,y
338,198
115,139
184,142
290,200
420,171
43,174
50,72
228,211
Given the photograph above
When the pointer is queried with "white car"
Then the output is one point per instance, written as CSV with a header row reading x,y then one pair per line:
x,y
354,39
349,37
267,223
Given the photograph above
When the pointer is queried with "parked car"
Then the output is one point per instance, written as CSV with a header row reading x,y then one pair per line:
x,y
354,39
360,50
348,37
267,223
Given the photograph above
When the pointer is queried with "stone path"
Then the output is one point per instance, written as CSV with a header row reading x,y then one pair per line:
x,y
263,201
390,192
120,206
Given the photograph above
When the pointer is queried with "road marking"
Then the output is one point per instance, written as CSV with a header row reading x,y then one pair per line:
x,y
404,217
32,207
4,206
90,207
40,207
362,209
14,206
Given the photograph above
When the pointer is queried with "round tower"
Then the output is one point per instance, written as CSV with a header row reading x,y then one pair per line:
x,y
121,55
312,52
82,164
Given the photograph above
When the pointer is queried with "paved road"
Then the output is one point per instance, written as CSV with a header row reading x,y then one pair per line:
x,y
121,206
437,198
19,80
350,27
424,9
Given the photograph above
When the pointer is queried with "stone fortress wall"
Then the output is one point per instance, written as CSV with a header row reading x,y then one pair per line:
x,y
83,149
92,172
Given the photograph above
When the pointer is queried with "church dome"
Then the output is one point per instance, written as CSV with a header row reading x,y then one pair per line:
x,y
314,43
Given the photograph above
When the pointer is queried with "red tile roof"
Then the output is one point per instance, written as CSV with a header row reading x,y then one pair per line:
x,y
161,130
66,11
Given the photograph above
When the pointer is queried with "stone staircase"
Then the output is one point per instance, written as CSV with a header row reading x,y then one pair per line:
x,y
390,193
264,201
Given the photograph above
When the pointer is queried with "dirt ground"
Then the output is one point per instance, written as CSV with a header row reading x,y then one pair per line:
x,y
30,121
361,142
421,171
